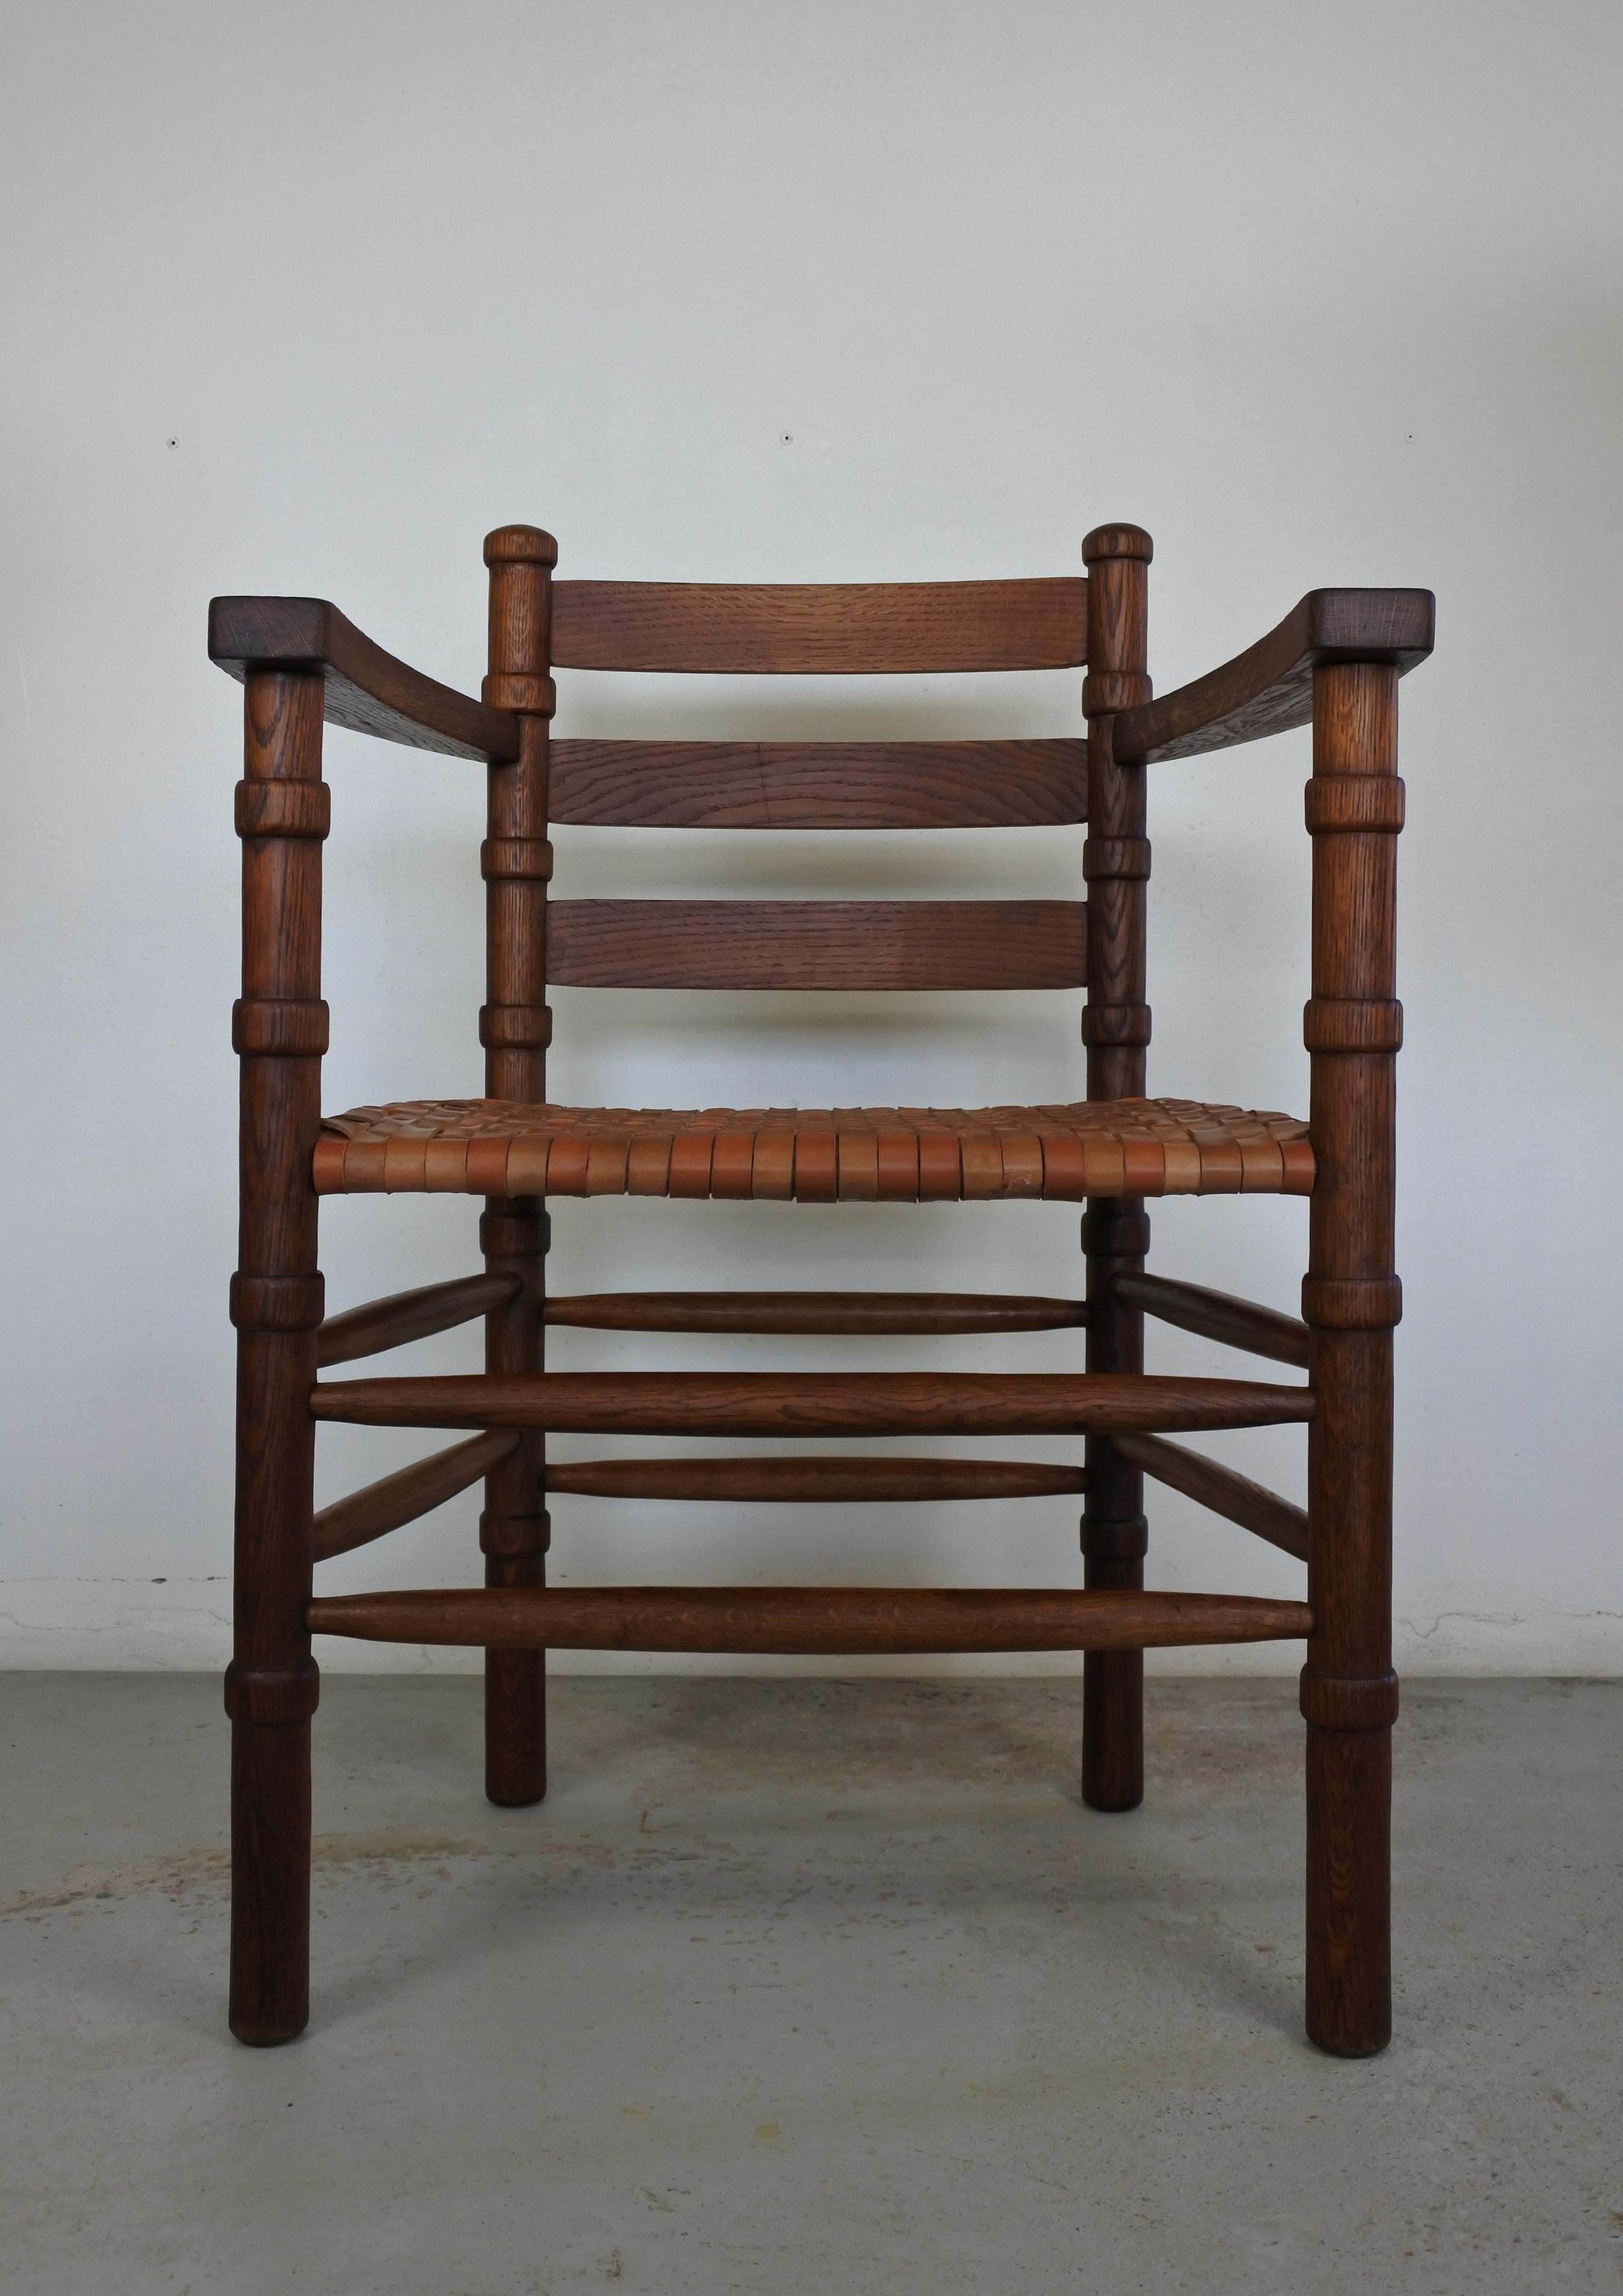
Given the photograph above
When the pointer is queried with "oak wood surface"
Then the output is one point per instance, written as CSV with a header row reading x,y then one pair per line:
x,y
852,628
811,1403
1351,1300
1252,1505
848,1312
406,1315
1218,1316
514,1029
1115,1232
817,945
807,1619
1269,687
777,1481
409,1492
271,1685
1337,657
365,689
820,784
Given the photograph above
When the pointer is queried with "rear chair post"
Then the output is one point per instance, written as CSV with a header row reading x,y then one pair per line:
x,y
1115,1230
1351,1298
515,1029
279,1029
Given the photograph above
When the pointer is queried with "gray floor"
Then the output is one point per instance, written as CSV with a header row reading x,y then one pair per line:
x,y
807,1986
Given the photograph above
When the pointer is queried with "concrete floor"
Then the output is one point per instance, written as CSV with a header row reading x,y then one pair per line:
x,y
807,1986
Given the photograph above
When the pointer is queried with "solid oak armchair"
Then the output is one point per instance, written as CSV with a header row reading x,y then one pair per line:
x,y
1336,661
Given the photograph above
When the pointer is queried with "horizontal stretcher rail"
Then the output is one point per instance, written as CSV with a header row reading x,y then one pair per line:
x,y
799,1620
406,1315
1218,1316
409,1492
813,1403
774,1481
848,1313
1252,1505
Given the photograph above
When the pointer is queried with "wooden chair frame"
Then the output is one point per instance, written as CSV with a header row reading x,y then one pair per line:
x,y
1336,661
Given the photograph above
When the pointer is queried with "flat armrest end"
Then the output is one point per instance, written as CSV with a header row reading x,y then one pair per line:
x,y
367,690
1269,687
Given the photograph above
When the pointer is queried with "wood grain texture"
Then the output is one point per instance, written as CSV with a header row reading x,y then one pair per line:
x,y
1348,1690
365,689
1269,687
1235,1496
1218,1316
796,1621
811,1403
849,628
1115,1232
820,784
1349,1863
852,1312
778,1482
817,945
514,1028
270,1684
408,1316
383,1507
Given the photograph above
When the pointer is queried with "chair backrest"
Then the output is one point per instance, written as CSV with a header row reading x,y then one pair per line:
x,y
848,629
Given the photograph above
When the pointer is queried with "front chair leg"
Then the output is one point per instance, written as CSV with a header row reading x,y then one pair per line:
x,y
1351,1300
272,1684
270,1871
280,1032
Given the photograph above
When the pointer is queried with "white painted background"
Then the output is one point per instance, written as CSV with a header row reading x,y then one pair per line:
x,y
306,298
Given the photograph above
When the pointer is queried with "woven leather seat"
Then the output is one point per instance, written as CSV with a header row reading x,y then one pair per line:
x,y
814,1155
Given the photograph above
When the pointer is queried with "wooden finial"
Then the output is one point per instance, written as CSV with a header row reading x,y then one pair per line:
x,y
519,545
521,559
1117,542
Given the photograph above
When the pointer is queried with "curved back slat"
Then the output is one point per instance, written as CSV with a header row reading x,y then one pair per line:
x,y
820,784
850,628
879,945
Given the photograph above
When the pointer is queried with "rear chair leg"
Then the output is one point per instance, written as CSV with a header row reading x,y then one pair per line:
x,y
1115,1535
1116,1031
515,1529
515,1027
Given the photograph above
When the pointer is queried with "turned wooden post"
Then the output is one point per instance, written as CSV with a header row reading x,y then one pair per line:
x,y
1115,1230
279,1029
1351,1298
515,1029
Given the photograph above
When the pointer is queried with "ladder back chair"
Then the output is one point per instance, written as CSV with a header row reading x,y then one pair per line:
x,y
1334,660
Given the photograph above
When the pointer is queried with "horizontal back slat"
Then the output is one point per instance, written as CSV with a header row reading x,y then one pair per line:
x,y
820,784
846,627
817,944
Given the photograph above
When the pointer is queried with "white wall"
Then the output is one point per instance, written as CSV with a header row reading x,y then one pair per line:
x,y
305,299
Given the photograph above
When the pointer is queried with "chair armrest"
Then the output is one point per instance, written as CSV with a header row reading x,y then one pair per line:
x,y
366,689
1269,687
